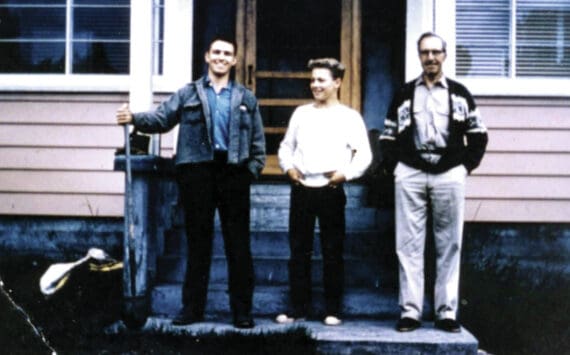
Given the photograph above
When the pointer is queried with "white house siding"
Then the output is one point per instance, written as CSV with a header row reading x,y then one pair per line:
x,y
525,174
57,153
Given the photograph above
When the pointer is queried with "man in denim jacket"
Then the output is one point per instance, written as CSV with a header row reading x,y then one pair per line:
x,y
220,149
433,137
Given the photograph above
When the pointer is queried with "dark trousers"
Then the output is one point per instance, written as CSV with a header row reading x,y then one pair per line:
x,y
203,189
307,204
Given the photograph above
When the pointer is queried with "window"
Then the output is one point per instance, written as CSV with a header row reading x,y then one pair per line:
x,y
71,44
65,37
513,39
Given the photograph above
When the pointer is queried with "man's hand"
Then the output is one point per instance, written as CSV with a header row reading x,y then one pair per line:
x,y
295,175
124,115
335,178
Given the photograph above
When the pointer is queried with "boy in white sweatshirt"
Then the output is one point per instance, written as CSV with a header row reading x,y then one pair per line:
x,y
325,145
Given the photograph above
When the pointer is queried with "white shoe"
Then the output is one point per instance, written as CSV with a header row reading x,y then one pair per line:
x,y
332,320
285,319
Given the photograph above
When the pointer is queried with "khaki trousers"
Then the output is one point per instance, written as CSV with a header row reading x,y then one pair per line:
x,y
445,193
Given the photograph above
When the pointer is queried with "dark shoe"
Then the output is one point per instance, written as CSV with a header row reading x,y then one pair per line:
x,y
244,323
407,324
448,325
185,317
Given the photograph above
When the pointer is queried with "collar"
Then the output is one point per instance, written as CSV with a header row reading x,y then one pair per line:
x,y
442,82
208,83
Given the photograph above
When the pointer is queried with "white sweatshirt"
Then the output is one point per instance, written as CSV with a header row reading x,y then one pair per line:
x,y
320,140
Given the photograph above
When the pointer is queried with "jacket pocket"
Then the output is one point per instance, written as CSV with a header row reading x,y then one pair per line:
x,y
245,117
192,113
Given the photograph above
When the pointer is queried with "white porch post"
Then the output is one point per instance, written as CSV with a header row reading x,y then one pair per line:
x,y
429,15
419,19
178,21
141,61
177,67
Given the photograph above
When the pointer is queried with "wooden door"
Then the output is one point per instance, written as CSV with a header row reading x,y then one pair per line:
x,y
276,39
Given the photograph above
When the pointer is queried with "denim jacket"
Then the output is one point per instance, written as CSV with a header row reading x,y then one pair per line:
x,y
189,108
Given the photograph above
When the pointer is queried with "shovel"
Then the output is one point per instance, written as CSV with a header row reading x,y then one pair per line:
x,y
135,304
129,220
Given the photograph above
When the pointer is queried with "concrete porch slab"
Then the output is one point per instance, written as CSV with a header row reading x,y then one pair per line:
x,y
381,337
354,336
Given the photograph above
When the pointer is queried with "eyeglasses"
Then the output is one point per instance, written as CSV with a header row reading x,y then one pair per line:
x,y
434,52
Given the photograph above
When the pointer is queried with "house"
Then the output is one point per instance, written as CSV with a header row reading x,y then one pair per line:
x,y
64,70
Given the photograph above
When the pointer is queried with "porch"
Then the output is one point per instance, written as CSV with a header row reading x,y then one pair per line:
x,y
370,303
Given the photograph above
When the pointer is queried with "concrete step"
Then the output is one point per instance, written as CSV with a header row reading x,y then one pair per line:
x,y
354,336
270,208
276,243
273,271
272,300
380,337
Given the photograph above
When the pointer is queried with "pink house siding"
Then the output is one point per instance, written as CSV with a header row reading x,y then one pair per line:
x,y
57,151
56,155
525,175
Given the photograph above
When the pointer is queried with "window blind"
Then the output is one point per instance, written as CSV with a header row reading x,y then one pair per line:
x,y
483,38
513,38
543,38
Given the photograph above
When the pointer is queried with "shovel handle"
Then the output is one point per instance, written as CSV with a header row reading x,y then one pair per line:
x,y
129,218
128,159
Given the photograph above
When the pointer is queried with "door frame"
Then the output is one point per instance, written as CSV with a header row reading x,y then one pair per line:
x,y
350,55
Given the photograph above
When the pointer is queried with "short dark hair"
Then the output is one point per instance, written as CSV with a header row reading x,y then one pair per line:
x,y
337,68
432,34
224,38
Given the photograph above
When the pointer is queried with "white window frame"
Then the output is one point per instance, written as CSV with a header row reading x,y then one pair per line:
x,y
439,16
177,60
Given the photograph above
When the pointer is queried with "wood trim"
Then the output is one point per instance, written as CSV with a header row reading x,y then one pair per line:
x,y
529,141
283,102
62,182
356,58
351,53
272,166
266,74
34,135
58,112
525,117
506,187
251,45
275,130
240,40
246,23
524,211
62,205
346,49
522,164
58,158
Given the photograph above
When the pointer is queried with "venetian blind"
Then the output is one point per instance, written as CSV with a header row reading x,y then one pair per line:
x,y
483,38
543,38
513,38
